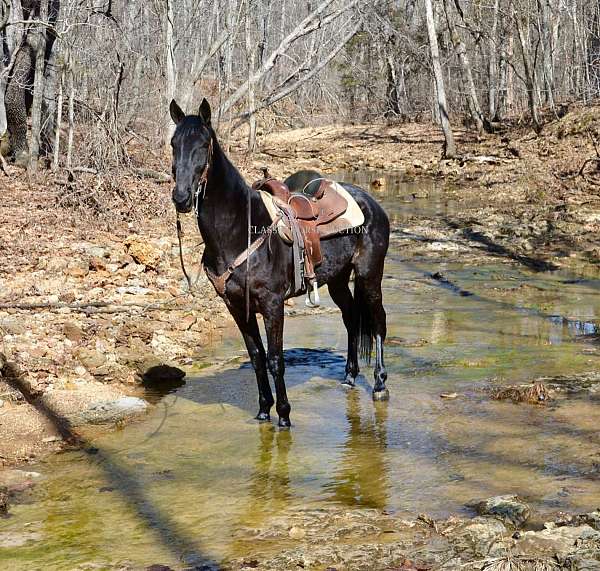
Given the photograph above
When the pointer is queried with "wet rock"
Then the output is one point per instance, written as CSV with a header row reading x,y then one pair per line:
x,y
18,480
3,500
509,509
11,539
111,411
152,372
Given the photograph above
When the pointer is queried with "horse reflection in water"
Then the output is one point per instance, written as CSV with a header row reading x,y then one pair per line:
x,y
269,490
361,478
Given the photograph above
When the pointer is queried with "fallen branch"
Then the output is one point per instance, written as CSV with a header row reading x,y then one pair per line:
x,y
582,169
483,159
155,175
92,306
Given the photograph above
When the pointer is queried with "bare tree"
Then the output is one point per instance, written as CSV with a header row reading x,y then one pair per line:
x,y
38,88
449,146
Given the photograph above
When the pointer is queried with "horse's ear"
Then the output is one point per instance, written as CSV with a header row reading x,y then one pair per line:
x,y
176,113
204,111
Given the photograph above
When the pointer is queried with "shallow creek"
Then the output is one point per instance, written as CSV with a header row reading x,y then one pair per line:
x,y
181,484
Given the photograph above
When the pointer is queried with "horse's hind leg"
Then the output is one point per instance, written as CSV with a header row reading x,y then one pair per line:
x,y
342,297
369,304
256,351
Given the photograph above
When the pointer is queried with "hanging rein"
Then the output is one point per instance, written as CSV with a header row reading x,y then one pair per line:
x,y
220,281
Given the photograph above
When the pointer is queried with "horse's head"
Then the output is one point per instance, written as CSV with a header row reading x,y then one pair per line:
x,y
192,147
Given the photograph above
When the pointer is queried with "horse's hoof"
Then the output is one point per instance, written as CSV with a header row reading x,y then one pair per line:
x,y
284,423
348,383
263,417
381,395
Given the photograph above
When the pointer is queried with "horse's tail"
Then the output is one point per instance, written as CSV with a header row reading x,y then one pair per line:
x,y
363,322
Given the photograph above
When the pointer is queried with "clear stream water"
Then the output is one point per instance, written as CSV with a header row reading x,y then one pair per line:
x,y
180,484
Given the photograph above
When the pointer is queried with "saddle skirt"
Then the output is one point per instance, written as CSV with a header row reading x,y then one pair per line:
x,y
332,220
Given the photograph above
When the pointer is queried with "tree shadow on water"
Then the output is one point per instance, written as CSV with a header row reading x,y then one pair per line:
x,y
172,535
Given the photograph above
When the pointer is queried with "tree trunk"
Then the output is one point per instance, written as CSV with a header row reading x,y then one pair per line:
x,y
59,106
71,120
480,121
171,70
530,78
449,146
393,99
493,65
250,56
38,89
547,47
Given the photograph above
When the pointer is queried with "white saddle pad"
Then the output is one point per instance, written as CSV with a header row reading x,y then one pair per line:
x,y
352,218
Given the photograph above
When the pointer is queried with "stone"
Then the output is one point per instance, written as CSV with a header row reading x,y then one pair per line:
x,y
112,411
478,535
509,509
297,533
558,541
143,252
73,332
91,359
12,327
18,480
156,372
185,323
77,269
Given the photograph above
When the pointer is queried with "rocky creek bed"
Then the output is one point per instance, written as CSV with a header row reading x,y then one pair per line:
x,y
93,306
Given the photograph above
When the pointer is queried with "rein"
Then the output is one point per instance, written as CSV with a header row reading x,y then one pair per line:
x,y
196,200
220,281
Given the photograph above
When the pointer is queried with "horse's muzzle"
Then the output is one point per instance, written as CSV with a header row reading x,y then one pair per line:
x,y
182,204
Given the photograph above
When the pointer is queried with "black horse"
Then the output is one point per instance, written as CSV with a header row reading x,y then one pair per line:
x,y
206,179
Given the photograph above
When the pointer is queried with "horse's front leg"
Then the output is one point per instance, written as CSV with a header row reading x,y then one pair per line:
x,y
256,352
273,316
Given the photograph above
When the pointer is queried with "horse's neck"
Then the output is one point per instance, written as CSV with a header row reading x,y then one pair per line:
x,y
223,213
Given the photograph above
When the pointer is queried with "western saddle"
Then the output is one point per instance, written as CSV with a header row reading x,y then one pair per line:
x,y
306,215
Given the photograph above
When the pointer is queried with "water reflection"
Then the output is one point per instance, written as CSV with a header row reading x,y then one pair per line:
x,y
269,489
361,477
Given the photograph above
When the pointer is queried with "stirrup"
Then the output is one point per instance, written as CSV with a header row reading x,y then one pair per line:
x,y
308,301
